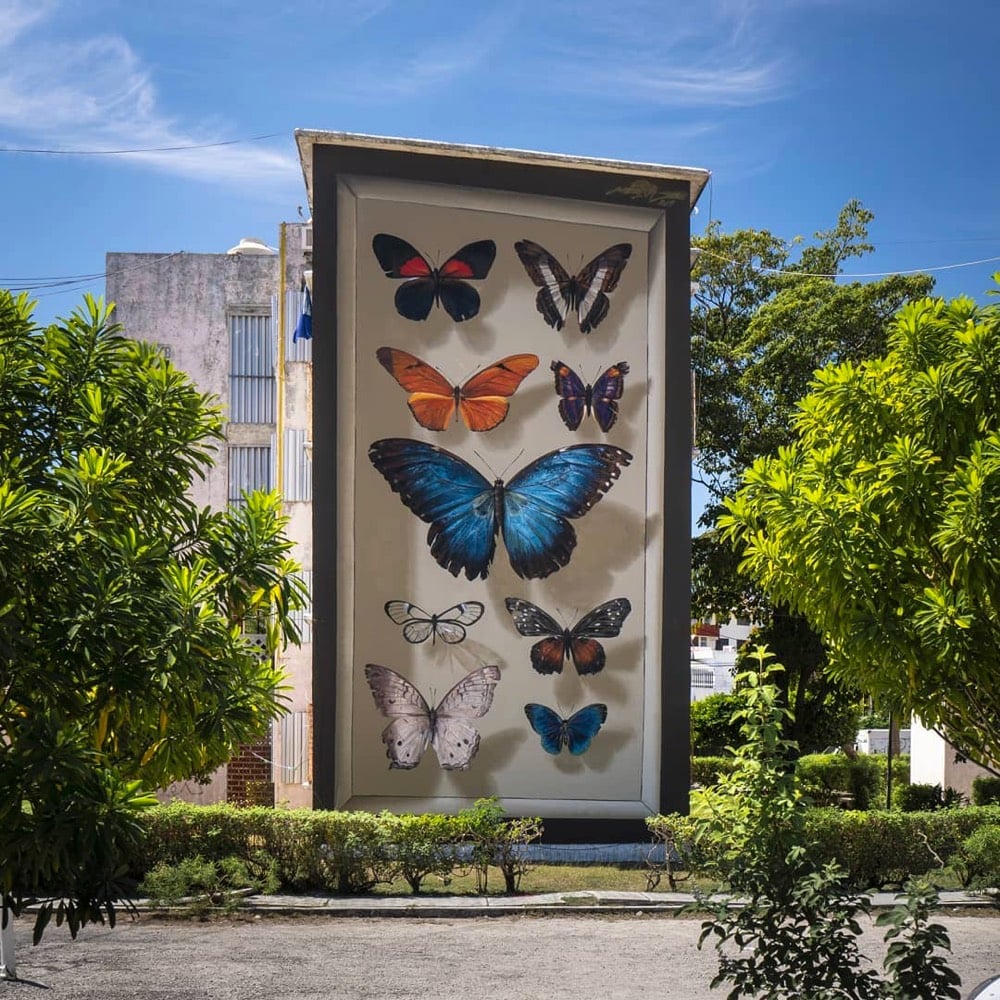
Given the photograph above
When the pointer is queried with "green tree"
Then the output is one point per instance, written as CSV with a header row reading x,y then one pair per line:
x,y
881,522
123,659
765,316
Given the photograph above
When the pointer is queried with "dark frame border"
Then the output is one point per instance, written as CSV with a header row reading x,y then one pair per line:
x,y
564,180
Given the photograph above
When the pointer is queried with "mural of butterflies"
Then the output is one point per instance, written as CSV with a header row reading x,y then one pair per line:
x,y
574,733
481,400
584,292
418,626
415,726
578,643
424,286
576,400
465,511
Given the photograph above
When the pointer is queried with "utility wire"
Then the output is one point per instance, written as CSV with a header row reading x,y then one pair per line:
x,y
855,274
149,149
73,282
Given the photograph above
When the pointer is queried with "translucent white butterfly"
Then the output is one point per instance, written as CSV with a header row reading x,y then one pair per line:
x,y
419,626
415,725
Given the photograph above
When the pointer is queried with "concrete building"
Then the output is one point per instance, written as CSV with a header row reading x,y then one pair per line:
x,y
713,654
228,320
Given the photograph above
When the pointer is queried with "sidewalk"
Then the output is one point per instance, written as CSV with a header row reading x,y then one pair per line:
x,y
589,901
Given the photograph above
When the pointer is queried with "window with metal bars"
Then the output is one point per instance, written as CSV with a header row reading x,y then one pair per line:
x,y
250,468
252,388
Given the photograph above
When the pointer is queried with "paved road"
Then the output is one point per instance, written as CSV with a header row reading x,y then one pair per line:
x,y
601,957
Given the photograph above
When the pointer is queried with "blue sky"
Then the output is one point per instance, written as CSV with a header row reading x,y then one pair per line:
x,y
796,106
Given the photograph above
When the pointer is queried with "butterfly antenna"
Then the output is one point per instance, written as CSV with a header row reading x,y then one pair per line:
x,y
511,462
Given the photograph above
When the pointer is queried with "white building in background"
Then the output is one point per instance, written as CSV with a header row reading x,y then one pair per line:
x,y
228,320
713,655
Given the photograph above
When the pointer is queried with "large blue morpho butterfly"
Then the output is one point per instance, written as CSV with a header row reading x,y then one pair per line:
x,y
576,400
465,511
574,733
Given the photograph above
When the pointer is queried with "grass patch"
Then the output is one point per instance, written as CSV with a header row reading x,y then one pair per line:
x,y
538,879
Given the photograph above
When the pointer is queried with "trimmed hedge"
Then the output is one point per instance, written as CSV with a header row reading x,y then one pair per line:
x,y
340,852
874,848
986,791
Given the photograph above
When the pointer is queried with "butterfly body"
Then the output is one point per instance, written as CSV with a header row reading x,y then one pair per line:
x,y
481,401
578,643
419,626
425,286
577,400
531,511
575,733
414,725
583,293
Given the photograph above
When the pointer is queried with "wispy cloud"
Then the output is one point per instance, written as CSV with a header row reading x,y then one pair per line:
x,y
683,55
94,93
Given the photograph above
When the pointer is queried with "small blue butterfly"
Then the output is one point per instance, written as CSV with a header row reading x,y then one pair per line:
x,y
465,511
574,733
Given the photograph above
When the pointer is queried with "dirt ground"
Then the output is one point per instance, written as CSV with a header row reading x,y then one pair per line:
x,y
257,958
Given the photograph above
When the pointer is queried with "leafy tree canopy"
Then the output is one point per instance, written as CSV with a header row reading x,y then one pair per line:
x,y
881,522
123,659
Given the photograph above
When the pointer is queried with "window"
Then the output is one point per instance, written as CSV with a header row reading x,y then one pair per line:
x,y
251,369
702,677
249,470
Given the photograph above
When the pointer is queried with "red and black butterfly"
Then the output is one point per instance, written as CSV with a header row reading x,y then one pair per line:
x,y
425,285
578,643
576,400
584,291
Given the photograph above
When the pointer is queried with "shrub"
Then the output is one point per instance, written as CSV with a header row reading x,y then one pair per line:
x,y
707,770
977,861
421,845
497,841
712,728
826,777
986,791
923,797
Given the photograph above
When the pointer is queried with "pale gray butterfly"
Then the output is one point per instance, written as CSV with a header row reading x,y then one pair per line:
x,y
415,725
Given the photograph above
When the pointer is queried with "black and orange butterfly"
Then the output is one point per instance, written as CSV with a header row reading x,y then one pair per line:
x,y
481,400
425,285
584,291
578,643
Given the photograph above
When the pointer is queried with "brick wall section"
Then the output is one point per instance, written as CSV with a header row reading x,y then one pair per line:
x,y
248,776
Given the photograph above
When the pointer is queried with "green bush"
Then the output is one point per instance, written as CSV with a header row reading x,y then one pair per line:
x,y
712,728
826,777
206,883
986,791
497,842
923,797
707,770
422,845
977,861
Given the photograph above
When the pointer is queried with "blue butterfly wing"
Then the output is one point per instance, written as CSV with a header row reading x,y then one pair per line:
x,y
581,727
573,400
548,725
562,484
449,494
607,391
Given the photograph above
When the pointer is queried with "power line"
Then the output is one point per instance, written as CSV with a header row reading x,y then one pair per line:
x,y
857,274
148,149
73,282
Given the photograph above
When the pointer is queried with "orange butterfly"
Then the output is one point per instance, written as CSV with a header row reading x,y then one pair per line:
x,y
482,400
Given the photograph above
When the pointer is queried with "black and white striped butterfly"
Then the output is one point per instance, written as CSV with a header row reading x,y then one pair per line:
x,y
419,626
583,292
